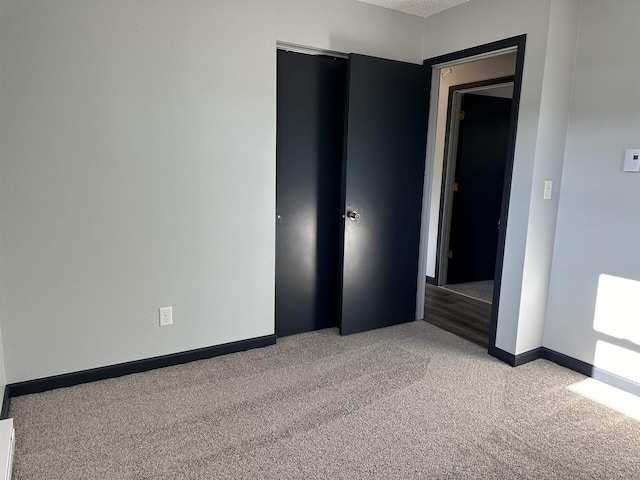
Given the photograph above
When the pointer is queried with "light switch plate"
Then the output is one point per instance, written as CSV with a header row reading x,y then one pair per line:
x,y
548,189
632,160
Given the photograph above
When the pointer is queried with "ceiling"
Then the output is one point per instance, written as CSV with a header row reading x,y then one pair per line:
x,y
422,8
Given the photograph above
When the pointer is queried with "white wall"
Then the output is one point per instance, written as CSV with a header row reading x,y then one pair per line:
x,y
593,303
550,149
482,21
3,375
349,26
133,145
136,135
495,67
137,169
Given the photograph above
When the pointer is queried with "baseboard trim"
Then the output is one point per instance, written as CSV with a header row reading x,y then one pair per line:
x,y
567,362
137,366
4,413
432,281
506,357
529,356
591,371
515,360
616,381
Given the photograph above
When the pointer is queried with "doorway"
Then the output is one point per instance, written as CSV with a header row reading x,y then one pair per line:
x,y
475,157
443,66
473,175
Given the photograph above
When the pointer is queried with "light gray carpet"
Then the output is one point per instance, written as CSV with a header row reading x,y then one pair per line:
x,y
406,402
482,290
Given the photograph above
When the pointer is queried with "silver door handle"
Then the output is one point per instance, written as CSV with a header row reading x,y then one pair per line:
x,y
353,216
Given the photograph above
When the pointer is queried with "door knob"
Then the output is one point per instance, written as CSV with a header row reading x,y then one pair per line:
x,y
353,216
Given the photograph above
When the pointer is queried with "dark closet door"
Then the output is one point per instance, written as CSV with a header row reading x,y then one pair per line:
x,y
385,158
480,166
310,124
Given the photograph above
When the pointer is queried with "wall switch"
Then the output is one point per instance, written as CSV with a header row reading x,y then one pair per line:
x,y
632,160
166,316
548,189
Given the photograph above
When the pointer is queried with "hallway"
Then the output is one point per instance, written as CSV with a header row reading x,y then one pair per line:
x,y
463,316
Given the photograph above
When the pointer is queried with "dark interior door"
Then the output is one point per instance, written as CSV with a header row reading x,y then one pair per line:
x,y
384,158
310,126
479,173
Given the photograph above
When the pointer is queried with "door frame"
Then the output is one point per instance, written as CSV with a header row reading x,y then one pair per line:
x,y
492,49
449,165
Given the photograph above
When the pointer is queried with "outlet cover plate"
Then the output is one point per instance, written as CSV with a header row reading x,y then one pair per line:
x,y
166,316
632,160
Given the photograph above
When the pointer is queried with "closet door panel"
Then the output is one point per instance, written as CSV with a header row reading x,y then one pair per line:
x,y
385,143
310,125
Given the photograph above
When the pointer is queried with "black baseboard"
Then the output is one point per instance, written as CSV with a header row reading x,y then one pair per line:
x,y
506,357
515,360
616,381
4,413
113,371
527,357
432,281
568,362
591,371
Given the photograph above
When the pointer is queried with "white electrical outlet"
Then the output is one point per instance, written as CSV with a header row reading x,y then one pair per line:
x,y
166,316
632,160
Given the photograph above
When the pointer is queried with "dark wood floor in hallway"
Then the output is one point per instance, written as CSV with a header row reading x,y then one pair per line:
x,y
460,315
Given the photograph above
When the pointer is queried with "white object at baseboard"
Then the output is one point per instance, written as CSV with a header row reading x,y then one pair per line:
x,y
7,442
